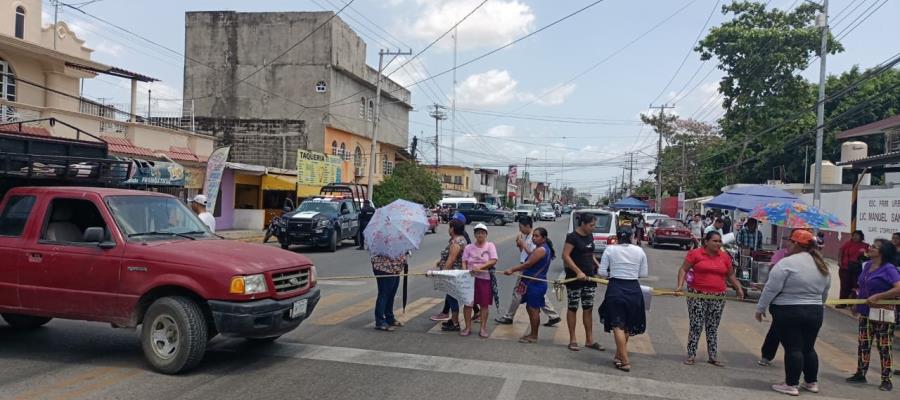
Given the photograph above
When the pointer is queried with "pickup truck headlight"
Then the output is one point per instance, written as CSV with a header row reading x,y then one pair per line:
x,y
249,284
322,224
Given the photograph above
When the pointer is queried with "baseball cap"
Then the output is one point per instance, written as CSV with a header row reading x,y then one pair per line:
x,y
803,237
481,226
200,199
459,217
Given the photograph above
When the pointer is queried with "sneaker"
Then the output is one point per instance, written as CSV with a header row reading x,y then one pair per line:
x,y
857,378
553,321
810,387
440,317
886,386
786,389
449,326
764,362
503,320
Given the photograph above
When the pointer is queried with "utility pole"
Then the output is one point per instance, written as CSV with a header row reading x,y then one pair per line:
x,y
662,110
453,103
822,22
439,115
372,153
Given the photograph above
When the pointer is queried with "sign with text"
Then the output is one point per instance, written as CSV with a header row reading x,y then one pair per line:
x,y
459,284
317,169
215,167
878,213
511,178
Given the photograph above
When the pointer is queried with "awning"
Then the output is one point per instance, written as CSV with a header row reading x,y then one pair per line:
x,y
871,129
631,203
247,169
748,197
279,182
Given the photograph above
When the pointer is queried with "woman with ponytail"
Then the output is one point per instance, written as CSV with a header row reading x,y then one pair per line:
x,y
795,294
532,291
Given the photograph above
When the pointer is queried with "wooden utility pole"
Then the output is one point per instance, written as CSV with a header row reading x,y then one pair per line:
x,y
659,130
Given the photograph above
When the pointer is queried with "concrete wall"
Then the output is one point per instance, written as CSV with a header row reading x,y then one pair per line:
x,y
226,218
236,45
32,18
270,143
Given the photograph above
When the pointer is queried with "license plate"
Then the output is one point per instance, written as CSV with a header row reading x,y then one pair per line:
x,y
299,309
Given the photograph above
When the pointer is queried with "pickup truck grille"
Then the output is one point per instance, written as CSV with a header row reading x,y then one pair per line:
x,y
290,280
300,226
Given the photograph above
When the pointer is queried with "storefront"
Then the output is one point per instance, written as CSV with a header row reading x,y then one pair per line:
x,y
251,195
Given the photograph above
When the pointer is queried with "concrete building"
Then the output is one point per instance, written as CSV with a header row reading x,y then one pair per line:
x,y
42,70
484,186
293,66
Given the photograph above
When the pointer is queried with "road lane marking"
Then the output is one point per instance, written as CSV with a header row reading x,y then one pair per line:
x,y
82,377
835,357
509,390
748,336
561,336
346,313
104,383
413,309
615,383
516,329
641,344
681,329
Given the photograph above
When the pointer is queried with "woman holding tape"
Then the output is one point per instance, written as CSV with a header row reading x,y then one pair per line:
x,y
532,291
706,270
879,280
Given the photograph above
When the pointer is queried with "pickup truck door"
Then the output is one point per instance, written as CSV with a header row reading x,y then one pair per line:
x,y
13,223
480,213
65,276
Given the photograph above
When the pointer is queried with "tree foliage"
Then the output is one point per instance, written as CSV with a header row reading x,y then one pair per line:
x,y
409,181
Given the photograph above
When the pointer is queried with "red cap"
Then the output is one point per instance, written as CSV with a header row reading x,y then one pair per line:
x,y
803,237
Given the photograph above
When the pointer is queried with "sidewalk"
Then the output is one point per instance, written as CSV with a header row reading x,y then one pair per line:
x,y
243,235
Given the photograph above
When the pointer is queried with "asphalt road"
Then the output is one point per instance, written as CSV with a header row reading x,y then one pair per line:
x,y
337,355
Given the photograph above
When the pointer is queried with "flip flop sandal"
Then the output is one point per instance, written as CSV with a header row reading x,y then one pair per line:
x,y
595,346
716,363
689,361
623,367
465,332
526,340
484,334
574,347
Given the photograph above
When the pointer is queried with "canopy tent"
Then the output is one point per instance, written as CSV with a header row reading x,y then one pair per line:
x,y
748,197
631,203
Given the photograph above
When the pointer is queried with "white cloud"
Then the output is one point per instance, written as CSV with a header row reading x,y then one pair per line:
x,y
502,131
495,23
410,73
165,100
498,88
491,88
108,48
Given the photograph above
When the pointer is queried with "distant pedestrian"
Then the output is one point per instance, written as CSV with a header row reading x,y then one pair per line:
x,y
198,205
451,259
580,263
850,264
795,295
622,311
715,227
387,290
526,246
706,271
726,223
696,226
480,257
532,292
365,215
878,281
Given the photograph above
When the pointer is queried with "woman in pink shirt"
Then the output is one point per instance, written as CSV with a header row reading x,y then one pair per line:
x,y
479,257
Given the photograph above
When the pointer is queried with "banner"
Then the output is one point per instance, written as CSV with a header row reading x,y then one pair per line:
x,y
215,167
511,178
157,173
459,284
317,169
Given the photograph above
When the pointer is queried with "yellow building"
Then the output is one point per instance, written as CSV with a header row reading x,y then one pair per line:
x,y
42,68
456,181
354,150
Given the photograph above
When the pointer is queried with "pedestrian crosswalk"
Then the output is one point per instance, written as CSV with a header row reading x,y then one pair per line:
x,y
666,333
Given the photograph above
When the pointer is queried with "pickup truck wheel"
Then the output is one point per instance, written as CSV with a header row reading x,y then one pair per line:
x,y
285,246
332,246
498,221
19,321
174,335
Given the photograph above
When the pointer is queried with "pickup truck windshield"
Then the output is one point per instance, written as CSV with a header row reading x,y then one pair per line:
x,y
154,217
319,206
527,207
546,208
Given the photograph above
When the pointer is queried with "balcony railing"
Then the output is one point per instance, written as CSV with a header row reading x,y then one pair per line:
x,y
115,112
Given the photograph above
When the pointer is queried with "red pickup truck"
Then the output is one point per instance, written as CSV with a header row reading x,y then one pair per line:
x,y
134,258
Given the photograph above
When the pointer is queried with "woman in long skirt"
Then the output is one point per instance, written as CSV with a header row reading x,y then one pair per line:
x,y
622,311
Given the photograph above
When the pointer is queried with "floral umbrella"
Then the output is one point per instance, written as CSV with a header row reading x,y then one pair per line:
x,y
396,229
795,215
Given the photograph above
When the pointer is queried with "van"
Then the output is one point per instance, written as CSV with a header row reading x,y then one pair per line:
x,y
454,202
606,230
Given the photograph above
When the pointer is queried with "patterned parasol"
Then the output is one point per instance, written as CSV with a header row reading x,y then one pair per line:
x,y
396,229
795,215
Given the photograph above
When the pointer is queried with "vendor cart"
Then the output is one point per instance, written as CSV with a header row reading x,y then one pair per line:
x,y
752,269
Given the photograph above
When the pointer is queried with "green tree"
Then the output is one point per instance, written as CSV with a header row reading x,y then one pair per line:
x,y
687,143
411,182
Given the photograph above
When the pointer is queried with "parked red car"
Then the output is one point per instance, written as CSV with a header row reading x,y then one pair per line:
x,y
132,258
669,231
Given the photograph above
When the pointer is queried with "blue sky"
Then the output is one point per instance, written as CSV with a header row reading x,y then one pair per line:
x,y
544,79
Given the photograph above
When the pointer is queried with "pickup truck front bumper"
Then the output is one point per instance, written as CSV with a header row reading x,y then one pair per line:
x,y
318,237
260,318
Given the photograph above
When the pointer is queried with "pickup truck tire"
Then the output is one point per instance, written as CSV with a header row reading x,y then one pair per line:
x,y
174,335
332,246
285,246
499,221
20,321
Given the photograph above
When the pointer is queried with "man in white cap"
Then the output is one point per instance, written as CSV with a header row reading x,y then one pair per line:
x,y
198,205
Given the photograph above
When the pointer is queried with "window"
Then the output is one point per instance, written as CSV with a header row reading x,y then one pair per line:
x,y
334,148
155,217
387,167
362,107
457,180
371,111
69,219
446,178
20,22
8,81
15,215
343,152
357,161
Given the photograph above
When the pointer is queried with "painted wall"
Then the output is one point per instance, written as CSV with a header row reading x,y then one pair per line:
x,y
226,218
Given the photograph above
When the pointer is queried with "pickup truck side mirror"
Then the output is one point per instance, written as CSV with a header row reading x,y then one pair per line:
x,y
287,209
96,234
